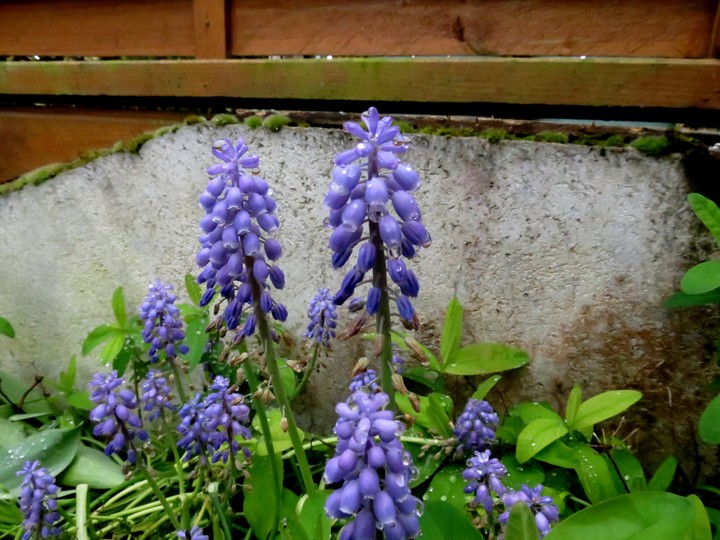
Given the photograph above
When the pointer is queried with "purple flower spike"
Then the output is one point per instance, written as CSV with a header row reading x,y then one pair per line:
x,y
163,327
542,507
156,396
38,502
323,318
483,477
475,427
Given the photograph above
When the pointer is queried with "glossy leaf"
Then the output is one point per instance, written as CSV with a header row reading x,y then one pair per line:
x,y
664,475
433,414
6,328
97,336
81,400
281,439
700,527
260,503
521,524
485,387
537,435
92,467
195,339
193,289
426,377
118,307
707,211
67,378
448,486
684,300
121,360
113,347
55,448
630,469
288,377
484,358
290,528
530,473
558,454
710,422
312,515
594,474
11,433
442,520
603,406
637,516
425,465
701,278
452,330
33,402
573,404
533,410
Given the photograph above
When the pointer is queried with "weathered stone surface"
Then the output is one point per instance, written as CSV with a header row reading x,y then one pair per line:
x,y
564,250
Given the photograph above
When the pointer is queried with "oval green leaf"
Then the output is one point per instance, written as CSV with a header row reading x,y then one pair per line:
x,y
537,435
521,524
92,467
701,278
97,336
531,473
118,307
485,387
710,422
448,486
664,475
442,521
484,358
707,211
603,406
6,328
452,330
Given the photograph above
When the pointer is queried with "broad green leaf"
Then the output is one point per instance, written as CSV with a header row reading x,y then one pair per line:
x,y
81,400
573,404
594,474
442,520
195,339
558,454
484,358
452,330
714,516
537,435
6,328
11,433
312,515
683,300
701,278
290,528
448,486
530,473
288,377
664,475
425,465
510,429
708,212
97,336
28,416
121,359
92,467
700,527
54,448
118,307
426,377
710,422
113,347
533,410
260,504
485,387
603,406
34,402
67,378
193,289
557,479
433,413
636,516
281,439
521,523
630,469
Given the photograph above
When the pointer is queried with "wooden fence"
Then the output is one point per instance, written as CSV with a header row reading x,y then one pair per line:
x,y
632,53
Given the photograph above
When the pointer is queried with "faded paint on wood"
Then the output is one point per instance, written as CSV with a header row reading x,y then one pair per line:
x,y
550,81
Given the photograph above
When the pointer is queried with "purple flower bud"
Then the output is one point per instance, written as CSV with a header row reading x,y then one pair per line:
x,y
405,308
373,300
346,177
397,270
416,233
405,206
366,257
260,270
354,214
390,231
406,177
273,249
277,278
343,238
336,196
411,286
339,259
38,501
376,198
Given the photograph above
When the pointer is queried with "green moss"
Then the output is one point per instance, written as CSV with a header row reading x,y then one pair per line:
x,y
652,145
164,130
253,122
405,127
494,135
552,137
133,145
613,140
275,122
427,130
225,119
194,119
38,176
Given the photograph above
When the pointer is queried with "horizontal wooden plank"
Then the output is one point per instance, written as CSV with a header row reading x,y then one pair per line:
x,y
671,28
92,28
34,137
549,81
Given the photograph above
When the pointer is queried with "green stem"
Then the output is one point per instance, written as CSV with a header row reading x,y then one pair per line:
x,y
212,490
178,380
308,370
161,498
81,511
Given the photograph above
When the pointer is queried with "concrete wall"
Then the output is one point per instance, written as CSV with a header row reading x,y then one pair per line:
x,y
564,250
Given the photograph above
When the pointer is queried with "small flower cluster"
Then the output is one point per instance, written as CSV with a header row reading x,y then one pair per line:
x,y
114,414
323,318
375,471
196,533
367,380
475,428
483,477
542,507
239,212
353,201
38,502
208,425
163,326
157,395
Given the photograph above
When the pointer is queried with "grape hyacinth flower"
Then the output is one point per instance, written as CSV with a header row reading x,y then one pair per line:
x,y
114,416
374,469
475,428
483,477
196,533
323,318
163,327
156,396
543,509
367,380
371,185
194,436
38,501
237,256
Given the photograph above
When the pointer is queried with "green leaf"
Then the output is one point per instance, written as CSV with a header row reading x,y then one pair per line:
x,y
81,400
113,347
483,358
594,474
193,289
530,411
448,486
664,475
290,528
94,468
452,330
521,523
433,412
312,515
16,390
118,307
441,521
195,339
710,422
97,336
700,527
558,454
683,300
281,440
426,377
288,377
121,359
537,435
67,378
485,387
635,516
425,465
6,328
603,406
260,503
530,473
54,448
630,469
11,433
573,404
708,212
701,278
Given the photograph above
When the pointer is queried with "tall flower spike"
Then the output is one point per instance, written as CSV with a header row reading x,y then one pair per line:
x,y
156,396
192,428
475,427
371,185
374,471
483,479
163,327
114,416
38,502
239,214
323,318
226,419
542,507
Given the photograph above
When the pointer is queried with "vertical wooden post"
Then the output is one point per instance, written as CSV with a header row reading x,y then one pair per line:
x,y
714,44
211,35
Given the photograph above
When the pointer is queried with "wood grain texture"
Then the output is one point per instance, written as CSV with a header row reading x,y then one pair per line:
x,y
211,37
32,138
97,28
671,28
549,81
